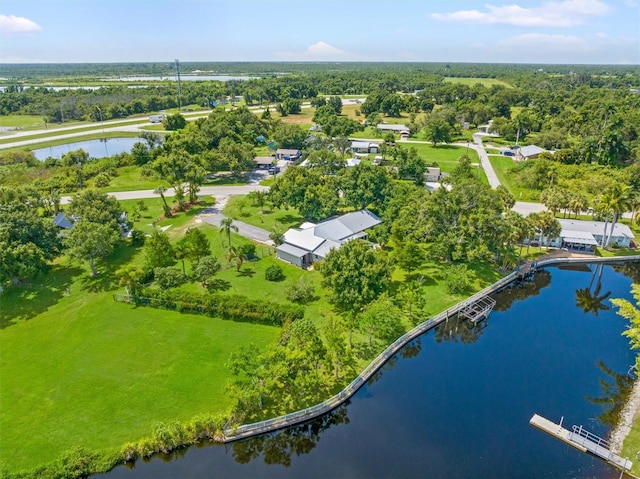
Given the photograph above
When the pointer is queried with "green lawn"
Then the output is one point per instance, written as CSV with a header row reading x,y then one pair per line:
x,y
487,82
631,446
272,219
129,179
446,156
85,370
502,165
22,122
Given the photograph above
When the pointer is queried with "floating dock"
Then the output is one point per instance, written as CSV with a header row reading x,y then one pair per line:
x,y
478,310
582,440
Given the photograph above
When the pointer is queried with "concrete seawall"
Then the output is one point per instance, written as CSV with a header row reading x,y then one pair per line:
x,y
303,415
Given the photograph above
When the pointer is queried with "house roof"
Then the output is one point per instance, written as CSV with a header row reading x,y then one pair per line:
x,y
392,127
282,151
351,162
329,234
61,221
531,150
292,250
305,239
360,144
347,225
264,160
578,237
323,250
432,170
574,227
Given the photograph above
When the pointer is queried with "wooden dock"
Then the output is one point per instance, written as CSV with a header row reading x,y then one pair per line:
x,y
582,440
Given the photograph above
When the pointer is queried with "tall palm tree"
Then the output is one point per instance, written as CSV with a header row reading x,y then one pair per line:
x,y
226,226
620,199
160,191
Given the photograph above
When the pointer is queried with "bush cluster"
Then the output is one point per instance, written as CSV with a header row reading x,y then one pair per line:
x,y
274,273
234,307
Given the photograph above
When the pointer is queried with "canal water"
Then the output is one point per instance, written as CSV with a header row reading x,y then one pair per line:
x,y
456,402
96,148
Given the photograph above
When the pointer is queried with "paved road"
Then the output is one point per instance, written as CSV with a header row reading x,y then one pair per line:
x,y
216,191
244,229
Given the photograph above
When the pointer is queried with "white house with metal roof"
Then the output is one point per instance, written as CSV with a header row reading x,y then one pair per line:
x,y
529,152
392,127
584,236
312,242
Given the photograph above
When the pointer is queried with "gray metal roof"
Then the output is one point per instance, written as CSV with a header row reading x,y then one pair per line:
x,y
593,227
392,127
292,250
531,150
325,247
264,160
305,239
283,151
61,221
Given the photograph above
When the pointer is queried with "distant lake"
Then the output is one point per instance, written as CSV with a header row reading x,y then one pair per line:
x,y
95,148
182,77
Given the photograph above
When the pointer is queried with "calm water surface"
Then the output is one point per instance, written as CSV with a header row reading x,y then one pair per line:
x,y
96,148
456,402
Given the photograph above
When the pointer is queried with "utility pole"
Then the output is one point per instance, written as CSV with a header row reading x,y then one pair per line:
x,y
179,87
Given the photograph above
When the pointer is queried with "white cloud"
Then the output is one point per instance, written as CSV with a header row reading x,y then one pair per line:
x,y
549,14
15,24
541,41
320,51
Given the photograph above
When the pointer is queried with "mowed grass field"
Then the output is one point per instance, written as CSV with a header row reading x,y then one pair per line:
x,y
89,371
81,369
487,82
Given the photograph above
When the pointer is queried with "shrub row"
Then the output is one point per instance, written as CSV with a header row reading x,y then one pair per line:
x,y
234,306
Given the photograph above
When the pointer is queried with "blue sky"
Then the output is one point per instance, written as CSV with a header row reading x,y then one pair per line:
x,y
524,31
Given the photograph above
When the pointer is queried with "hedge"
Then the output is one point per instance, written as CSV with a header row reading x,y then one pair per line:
x,y
235,307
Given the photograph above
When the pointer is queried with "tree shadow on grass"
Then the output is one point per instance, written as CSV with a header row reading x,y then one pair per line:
x,y
218,285
27,301
106,278
288,219
247,272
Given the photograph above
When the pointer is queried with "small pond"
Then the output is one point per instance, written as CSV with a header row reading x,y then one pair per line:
x,y
96,148
456,402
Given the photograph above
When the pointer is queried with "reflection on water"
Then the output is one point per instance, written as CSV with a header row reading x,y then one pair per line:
x,y
616,389
457,401
279,447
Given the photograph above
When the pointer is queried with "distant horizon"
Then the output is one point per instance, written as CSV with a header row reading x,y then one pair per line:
x,y
547,32
321,62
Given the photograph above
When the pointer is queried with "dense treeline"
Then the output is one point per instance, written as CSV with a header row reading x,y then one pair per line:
x,y
484,70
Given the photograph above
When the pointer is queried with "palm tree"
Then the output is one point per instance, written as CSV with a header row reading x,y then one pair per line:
x,y
236,255
226,226
160,191
619,199
593,302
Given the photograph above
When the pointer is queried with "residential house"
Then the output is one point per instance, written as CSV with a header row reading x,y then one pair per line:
x,y
352,162
263,162
312,242
529,152
432,174
364,147
288,155
61,221
393,128
584,236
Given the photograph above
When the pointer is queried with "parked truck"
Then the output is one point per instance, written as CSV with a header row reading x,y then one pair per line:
x,y
156,118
